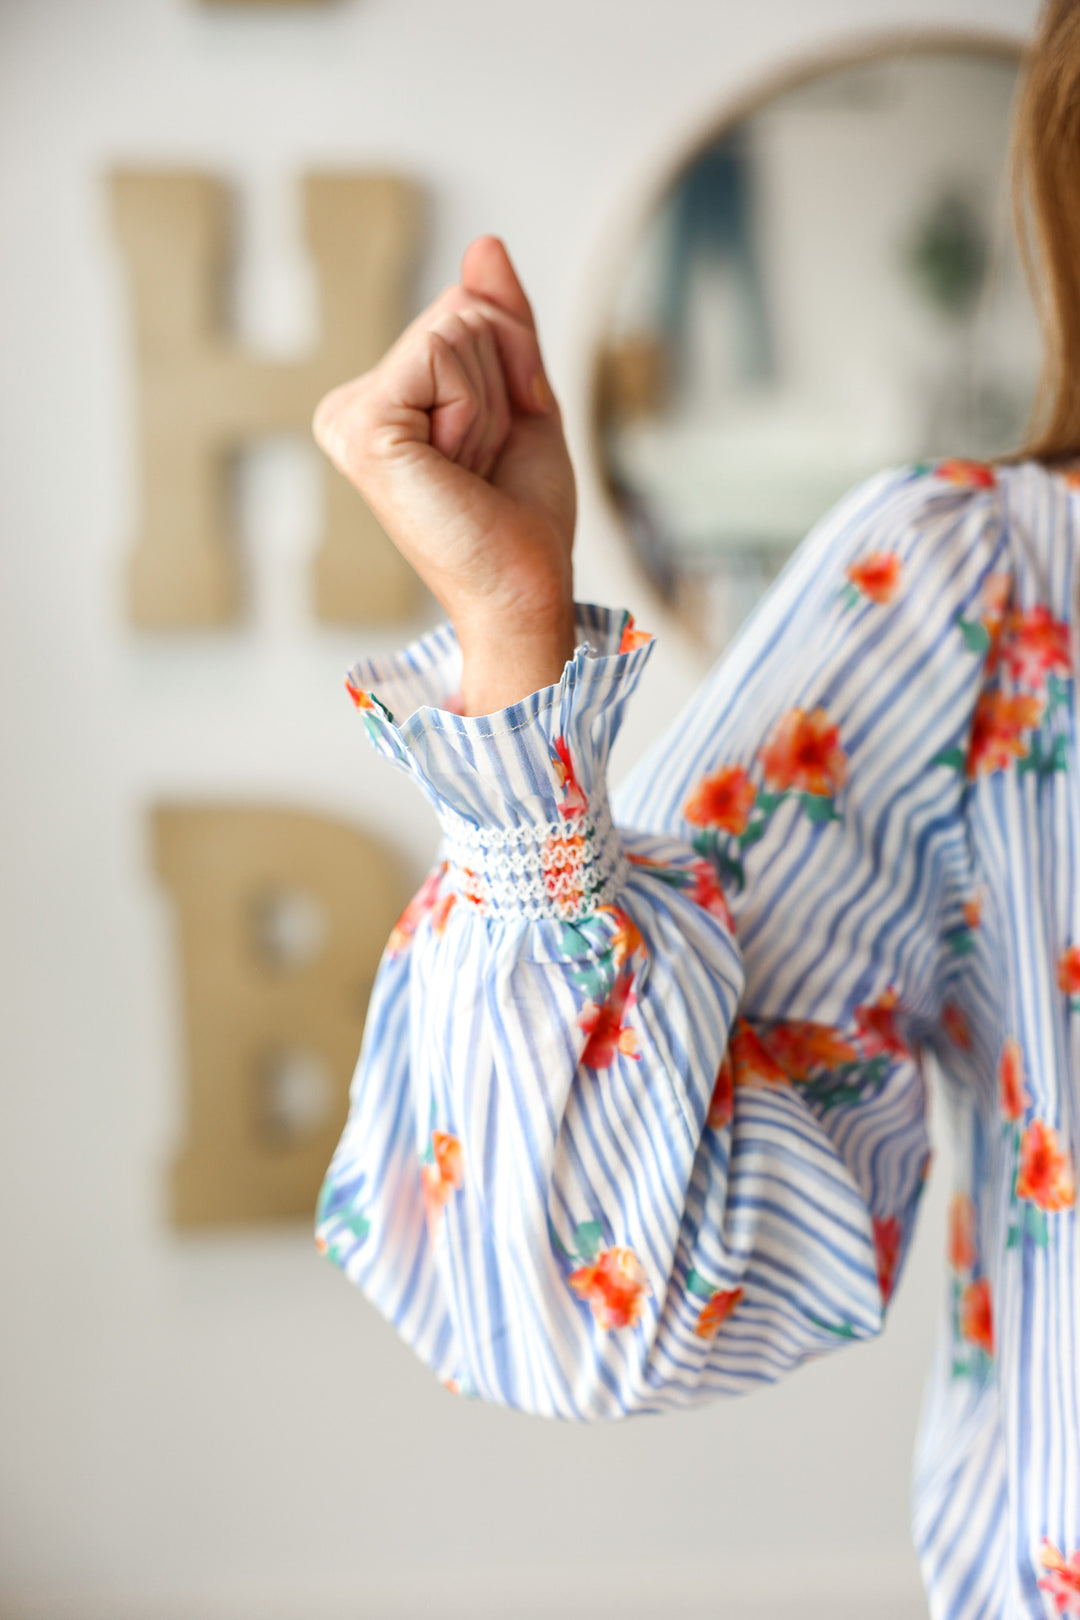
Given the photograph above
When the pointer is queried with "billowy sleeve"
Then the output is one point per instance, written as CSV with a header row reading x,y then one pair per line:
x,y
610,1150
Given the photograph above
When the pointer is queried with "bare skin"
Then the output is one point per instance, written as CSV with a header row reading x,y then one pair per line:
x,y
456,443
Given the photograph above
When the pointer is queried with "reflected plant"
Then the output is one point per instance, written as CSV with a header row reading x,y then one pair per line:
x,y
947,256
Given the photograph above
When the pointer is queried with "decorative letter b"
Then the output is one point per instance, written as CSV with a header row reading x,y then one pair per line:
x,y
283,916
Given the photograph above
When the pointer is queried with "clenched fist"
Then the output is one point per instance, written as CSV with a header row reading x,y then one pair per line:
x,y
455,441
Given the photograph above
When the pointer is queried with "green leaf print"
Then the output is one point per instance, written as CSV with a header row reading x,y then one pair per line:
x,y
696,1284
818,807
954,758
1057,693
850,1083
754,831
586,938
1042,758
976,636
588,1237
842,1330
595,978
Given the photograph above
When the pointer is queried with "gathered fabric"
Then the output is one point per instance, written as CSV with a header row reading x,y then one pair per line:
x,y
640,1115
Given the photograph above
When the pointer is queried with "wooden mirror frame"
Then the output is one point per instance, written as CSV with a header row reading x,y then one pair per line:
x,y
862,52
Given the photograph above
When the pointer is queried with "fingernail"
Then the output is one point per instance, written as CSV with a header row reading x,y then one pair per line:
x,y
542,395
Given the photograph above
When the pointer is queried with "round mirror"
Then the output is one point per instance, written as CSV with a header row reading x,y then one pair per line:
x,y
829,285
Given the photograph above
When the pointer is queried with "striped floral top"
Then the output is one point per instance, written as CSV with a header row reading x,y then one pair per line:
x,y
640,1117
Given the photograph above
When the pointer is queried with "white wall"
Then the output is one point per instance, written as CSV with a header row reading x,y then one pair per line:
x,y
190,1427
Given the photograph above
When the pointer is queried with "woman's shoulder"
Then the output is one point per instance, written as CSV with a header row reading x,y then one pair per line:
x,y
991,491
914,493
1021,512
935,523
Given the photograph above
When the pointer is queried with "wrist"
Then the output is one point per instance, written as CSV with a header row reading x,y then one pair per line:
x,y
500,667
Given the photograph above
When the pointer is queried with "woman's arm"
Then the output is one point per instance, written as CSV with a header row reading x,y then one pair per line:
x,y
556,1179
571,1176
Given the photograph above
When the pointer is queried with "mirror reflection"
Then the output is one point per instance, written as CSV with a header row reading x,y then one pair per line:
x,y
829,285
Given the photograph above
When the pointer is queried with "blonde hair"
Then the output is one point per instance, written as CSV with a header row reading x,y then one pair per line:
x,y
1046,181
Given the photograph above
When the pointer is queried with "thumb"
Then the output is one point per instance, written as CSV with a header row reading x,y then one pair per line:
x,y
486,272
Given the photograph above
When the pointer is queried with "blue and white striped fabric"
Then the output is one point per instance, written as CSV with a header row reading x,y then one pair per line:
x,y
611,1151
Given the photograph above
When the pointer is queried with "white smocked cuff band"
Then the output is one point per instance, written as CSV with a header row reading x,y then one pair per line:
x,y
522,794
563,869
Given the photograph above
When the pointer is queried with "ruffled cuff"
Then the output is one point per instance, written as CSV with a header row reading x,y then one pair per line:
x,y
522,794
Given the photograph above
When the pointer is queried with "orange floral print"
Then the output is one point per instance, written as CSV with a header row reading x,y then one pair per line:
x,y
804,1049
716,1311
626,940
972,910
447,1151
417,909
877,575
997,733
968,474
1014,1099
561,861
1062,1580
722,1102
364,701
1034,645
804,752
606,1028
632,638
573,801
876,1024
724,799
1068,971
888,1234
442,1174
435,1195
705,891
472,889
997,588
615,1287
440,911
956,1027
960,1246
1046,1173
976,1315
751,1063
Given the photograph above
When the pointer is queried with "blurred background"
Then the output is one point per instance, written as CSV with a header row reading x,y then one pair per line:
x,y
769,251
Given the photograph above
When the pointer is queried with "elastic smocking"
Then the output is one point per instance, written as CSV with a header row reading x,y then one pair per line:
x,y
563,869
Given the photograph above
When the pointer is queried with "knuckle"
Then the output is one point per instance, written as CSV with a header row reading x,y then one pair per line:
x,y
346,430
457,300
452,328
